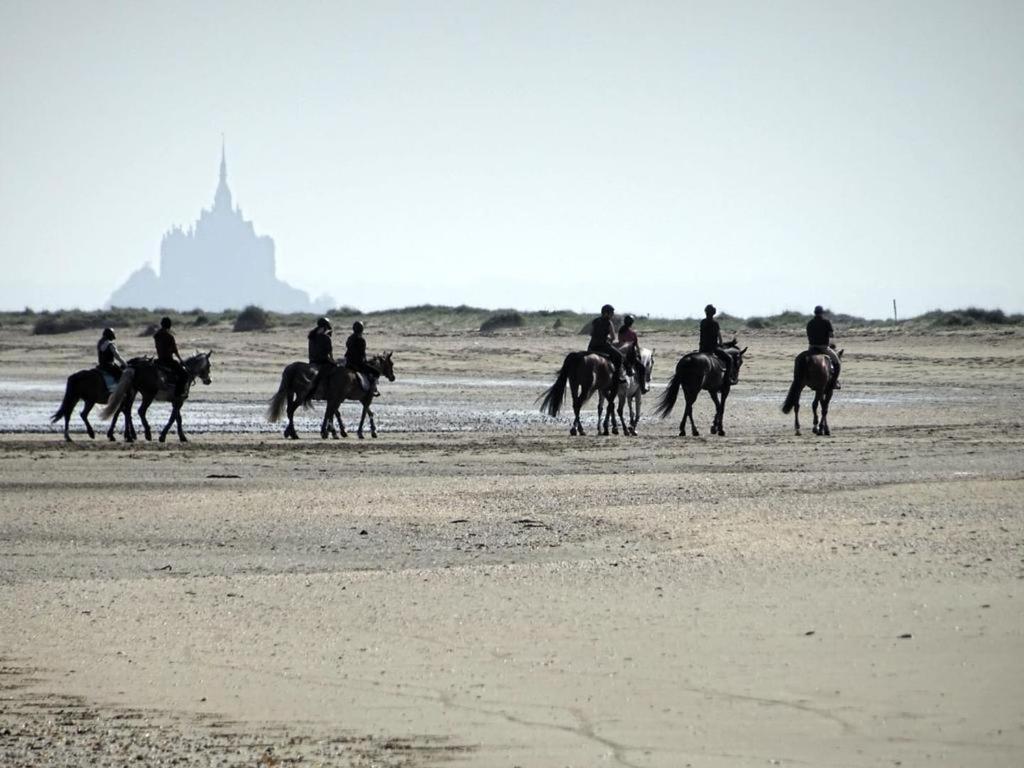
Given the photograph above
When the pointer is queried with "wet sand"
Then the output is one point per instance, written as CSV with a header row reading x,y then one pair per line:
x,y
475,587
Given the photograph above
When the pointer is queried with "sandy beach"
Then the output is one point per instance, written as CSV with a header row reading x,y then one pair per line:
x,y
474,587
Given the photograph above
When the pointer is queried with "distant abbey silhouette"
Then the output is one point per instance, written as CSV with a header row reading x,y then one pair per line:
x,y
219,263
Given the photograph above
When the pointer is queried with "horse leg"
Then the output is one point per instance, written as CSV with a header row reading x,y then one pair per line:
x,y
600,405
85,417
341,424
328,417
146,401
721,414
113,423
177,419
814,409
369,412
293,404
129,426
824,414
622,419
167,426
796,418
577,425
362,420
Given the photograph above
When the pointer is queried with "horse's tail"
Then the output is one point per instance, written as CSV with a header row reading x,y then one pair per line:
x,y
276,406
794,390
668,398
117,398
554,396
69,400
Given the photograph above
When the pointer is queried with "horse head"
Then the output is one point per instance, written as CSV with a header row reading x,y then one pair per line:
x,y
387,368
647,360
732,348
198,366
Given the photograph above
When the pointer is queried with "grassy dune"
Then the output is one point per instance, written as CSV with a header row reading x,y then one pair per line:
x,y
429,318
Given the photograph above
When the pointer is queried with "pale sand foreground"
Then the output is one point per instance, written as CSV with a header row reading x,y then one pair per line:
x,y
526,599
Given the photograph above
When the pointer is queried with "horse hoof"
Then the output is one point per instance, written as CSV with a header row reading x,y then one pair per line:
x,y
695,433
360,435
111,438
373,434
162,438
721,433
797,433
182,439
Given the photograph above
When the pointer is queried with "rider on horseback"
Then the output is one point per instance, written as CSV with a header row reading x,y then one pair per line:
x,y
166,352
602,331
628,336
819,339
321,354
110,361
355,356
711,341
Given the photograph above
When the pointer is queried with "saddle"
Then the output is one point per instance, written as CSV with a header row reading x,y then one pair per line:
x,y
108,381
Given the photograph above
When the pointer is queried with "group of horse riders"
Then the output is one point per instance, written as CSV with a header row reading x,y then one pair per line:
x,y
168,358
621,348
321,354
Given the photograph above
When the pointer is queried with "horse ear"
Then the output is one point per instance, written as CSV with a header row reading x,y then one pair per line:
x,y
840,353
387,355
209,354
743,351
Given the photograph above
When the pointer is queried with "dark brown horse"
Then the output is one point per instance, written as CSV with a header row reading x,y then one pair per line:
x,y
696,371
90,387
143,377
585,373
815,372
340,385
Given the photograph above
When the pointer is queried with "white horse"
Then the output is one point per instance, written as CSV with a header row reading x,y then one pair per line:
x,y
628,390
632,388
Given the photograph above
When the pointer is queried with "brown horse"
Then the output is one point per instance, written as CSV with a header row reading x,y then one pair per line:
x,y
144,377
815,372
90,387
698,371
340,385
585,373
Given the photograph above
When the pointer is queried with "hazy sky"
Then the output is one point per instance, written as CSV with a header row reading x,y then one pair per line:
x,y
657,155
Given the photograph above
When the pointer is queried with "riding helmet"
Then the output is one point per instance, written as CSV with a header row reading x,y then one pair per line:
x,y
607,308
627,320
819,310
357,327
165,322
323,322
108,334
710,309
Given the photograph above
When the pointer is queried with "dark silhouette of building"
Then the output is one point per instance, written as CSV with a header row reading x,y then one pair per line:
x,y
218,263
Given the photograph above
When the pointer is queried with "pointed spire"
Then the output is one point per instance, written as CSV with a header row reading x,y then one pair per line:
x,y
223,161
222,200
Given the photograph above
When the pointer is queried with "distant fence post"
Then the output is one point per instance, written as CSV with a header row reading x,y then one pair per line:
x,y
895,317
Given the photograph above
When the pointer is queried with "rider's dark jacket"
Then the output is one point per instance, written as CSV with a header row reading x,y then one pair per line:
x,y
355,349
166,347
105,353
710,335
601,330
320,348
819,332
